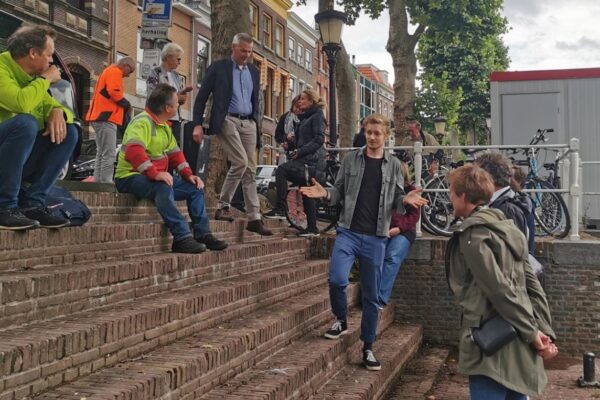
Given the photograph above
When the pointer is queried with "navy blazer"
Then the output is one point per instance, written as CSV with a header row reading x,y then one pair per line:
x,y
219,81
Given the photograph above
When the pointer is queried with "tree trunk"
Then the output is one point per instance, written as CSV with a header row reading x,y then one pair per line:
x,y
228,17
401,46
345,85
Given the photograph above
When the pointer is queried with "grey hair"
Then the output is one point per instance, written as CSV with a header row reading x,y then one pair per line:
x,y
127,61
498,166
171,49
242,37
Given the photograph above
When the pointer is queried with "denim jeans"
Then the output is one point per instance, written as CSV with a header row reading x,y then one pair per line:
x,y
370,250
395,253
483,388
28,156
164,197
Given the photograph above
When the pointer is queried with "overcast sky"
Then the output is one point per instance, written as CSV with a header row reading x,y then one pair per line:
x,y
544,34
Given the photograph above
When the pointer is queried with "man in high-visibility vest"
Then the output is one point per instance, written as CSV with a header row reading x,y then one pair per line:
x,y
148,153
108,111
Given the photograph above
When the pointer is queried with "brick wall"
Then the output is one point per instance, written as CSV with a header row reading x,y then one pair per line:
x,y
572,285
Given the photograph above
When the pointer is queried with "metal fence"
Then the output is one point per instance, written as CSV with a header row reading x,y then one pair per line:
x,y
570,172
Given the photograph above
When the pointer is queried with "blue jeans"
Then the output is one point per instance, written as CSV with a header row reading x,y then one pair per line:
x,y
395,253
370,251
164,197
483,388
28,156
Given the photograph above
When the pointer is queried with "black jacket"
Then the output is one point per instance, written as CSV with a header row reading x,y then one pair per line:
x,y
219,81
310,134
516,208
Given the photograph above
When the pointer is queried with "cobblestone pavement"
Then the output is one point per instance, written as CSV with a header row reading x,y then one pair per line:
x,y
450,385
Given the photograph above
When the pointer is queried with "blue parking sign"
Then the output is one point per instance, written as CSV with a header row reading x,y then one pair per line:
x,y
156,12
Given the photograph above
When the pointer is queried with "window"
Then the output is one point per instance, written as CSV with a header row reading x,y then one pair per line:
x,y
281,96
300,87
267,29
254,20
300,54
202,60
80,4
366,97
308,60
279,50
293,87
291,48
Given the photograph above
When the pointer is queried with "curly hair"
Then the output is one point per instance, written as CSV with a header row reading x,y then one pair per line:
x,y
498,166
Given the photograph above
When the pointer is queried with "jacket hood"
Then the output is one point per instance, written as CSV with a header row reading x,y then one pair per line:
x,y
495,221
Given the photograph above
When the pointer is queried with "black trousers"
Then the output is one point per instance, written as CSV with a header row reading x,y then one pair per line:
x,y
294,171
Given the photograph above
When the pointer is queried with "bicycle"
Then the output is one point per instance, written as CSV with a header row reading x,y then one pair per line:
x,y
550,210
327,215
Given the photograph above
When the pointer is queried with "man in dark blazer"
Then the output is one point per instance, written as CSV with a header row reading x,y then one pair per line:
x,y
234,84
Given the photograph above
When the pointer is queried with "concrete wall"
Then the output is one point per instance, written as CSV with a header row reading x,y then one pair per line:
x,y
572,284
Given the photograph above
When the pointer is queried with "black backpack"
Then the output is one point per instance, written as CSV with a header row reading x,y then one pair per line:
x,y
61,203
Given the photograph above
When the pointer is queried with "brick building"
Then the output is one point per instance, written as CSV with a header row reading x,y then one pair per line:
x,y
321,75
302,55
376,93
83,35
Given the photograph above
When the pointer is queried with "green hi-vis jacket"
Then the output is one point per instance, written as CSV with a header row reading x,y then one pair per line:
x,y
21,93
489,273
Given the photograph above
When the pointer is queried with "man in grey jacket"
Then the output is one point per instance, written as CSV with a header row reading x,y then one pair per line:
x,y
369,186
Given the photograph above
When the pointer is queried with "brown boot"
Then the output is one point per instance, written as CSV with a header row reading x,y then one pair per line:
x,y
223,214
258,227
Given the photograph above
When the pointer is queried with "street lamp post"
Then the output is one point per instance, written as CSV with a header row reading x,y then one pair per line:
x,y
331,23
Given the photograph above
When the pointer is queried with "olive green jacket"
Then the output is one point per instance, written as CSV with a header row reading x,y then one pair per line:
x,y
489,273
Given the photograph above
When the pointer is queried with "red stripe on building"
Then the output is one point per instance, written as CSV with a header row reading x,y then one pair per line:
x,y
556,74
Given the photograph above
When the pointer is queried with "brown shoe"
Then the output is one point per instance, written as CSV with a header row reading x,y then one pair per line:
x,y
258,227
223,214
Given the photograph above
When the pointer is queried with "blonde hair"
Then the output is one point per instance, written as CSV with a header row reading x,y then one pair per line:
x,y
406,173
379,119
314,98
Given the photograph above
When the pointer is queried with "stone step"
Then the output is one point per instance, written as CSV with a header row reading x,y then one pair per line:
x,y
22,250
50,353
393,349
298,370
419,376
201,361
48,292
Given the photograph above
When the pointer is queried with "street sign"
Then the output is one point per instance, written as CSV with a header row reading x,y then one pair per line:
x,y
157,13
155,32
150,60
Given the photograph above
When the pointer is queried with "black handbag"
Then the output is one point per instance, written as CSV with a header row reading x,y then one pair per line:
x,y
493,334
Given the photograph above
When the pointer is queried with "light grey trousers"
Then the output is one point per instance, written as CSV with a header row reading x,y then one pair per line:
x,y
106,145
238,138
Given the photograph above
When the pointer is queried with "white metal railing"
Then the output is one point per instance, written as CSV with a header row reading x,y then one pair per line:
x,y
570,174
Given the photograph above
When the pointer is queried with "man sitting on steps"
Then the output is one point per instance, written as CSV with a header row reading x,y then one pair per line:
x,y
148,152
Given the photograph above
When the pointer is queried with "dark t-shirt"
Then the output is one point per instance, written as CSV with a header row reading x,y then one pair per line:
x,y
366,211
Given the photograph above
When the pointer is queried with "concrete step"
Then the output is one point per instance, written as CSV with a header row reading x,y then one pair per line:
x,y
298,370
23,250
199,362
51,291
419,376
47,354
394,348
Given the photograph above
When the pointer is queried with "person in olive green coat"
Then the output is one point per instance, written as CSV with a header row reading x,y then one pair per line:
x,y
488,272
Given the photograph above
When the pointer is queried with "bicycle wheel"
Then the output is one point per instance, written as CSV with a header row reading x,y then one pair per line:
x,y
327,216
438,215
551,213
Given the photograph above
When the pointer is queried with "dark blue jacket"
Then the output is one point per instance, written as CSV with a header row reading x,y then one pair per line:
x,y
219,81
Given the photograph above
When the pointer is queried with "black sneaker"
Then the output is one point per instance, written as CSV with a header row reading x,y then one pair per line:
x,y
188,245
308,233
12,219
223,214
46,220
370,362
211,242
338,329
275,214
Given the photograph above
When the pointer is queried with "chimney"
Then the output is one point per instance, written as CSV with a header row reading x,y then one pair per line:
x,y
353,59
384,75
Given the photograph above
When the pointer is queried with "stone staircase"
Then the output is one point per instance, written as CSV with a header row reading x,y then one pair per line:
x,y
105,311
